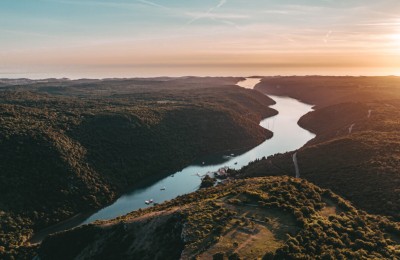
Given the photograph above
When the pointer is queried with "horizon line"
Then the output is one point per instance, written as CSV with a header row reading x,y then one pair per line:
x,y
194,76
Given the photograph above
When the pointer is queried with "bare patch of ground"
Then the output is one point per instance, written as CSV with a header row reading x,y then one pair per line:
x,y
330,209
253,232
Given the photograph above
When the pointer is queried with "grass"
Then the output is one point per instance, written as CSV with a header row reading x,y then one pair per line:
x,y
259,231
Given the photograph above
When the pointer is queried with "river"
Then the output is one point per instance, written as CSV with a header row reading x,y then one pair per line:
x,y
288,136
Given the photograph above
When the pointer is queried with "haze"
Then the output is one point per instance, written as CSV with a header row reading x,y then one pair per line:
x,y
121,38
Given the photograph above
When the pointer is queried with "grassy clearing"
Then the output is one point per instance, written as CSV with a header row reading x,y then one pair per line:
x,y
253,232
330,209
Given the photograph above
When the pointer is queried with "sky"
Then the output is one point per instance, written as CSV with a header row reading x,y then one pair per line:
x,y
145,38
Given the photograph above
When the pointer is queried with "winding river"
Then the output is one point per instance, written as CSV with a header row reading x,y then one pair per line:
x,y
288,136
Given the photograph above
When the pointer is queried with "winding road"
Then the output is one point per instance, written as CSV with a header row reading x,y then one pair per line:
x,y
296,165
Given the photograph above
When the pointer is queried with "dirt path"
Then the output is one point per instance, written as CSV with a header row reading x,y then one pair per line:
x,y
351,128
245,243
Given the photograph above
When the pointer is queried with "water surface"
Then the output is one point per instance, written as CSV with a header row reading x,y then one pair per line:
x,y
249,83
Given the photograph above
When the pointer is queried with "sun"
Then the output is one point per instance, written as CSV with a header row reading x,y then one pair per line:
x,y
396,38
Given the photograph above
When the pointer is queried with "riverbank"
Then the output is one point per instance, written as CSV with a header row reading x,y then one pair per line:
x,y
355,152
102,137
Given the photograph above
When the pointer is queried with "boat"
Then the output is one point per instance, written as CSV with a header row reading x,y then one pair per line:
x,y
147,202
163,188
151,200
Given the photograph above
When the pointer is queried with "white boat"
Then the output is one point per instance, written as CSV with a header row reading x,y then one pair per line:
x,y
147,202
151,200
163,188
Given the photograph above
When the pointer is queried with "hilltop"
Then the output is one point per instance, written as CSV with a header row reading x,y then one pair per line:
x,y
269,218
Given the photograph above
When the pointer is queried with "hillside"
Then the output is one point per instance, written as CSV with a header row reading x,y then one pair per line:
x,y
269,218
69,147
357,147
330,90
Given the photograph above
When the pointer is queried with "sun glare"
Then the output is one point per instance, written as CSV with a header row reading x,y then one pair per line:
x,y
396,38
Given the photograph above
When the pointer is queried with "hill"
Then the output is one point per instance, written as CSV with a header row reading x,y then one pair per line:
x,y
356,150
68,147
269,218
330,90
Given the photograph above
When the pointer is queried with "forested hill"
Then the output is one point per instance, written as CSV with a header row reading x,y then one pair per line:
x,y
72,146
268,218
356,152
330,90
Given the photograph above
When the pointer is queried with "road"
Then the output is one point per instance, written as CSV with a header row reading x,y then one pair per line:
x,y
296,166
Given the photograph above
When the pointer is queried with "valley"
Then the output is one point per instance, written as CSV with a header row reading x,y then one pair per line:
x,y
72,147
293,195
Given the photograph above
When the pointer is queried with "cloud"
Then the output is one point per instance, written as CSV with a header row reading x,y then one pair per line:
x,y
275,12
380,24
110,3
218,15
209,11
26,33
221,3
92,3
153,4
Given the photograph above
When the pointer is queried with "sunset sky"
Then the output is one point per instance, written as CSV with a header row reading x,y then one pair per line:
x,y
129,38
